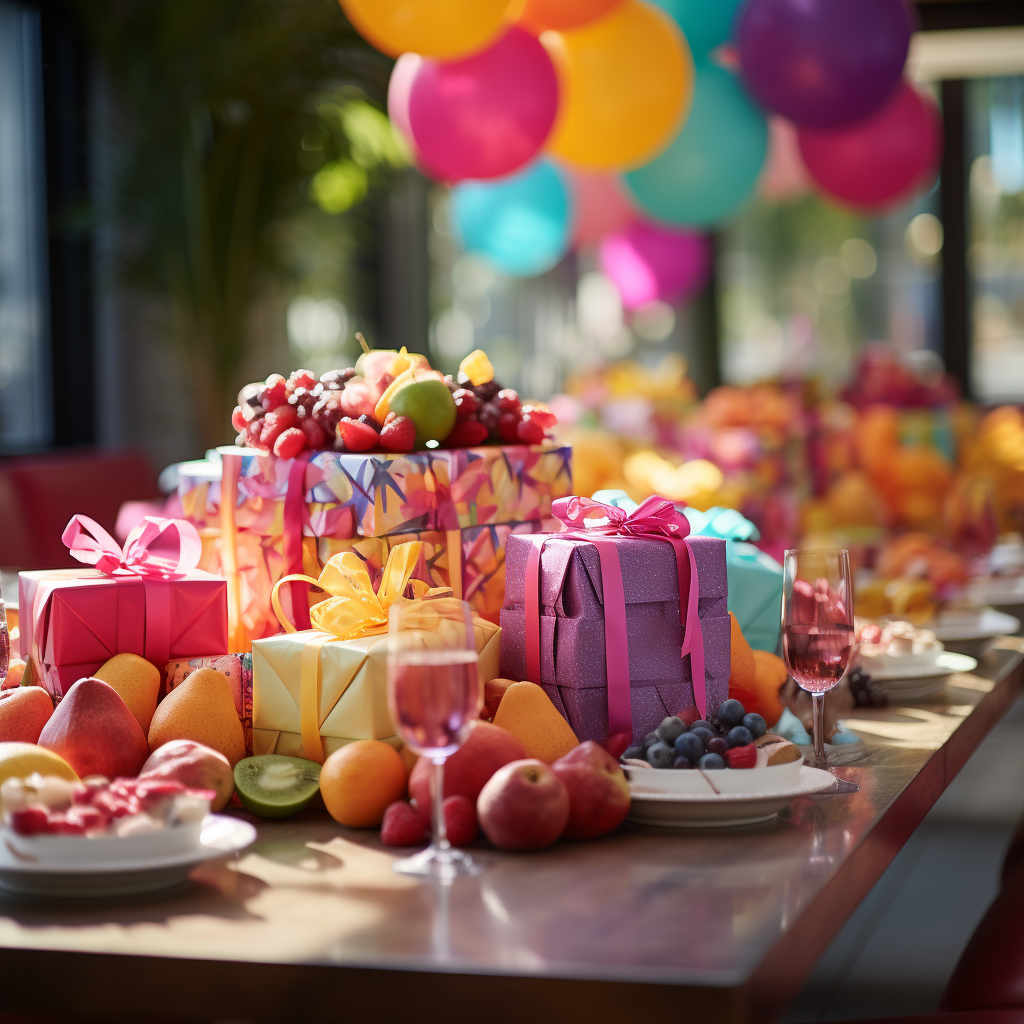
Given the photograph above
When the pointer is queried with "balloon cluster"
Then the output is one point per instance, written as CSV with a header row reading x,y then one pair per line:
x,y
638,124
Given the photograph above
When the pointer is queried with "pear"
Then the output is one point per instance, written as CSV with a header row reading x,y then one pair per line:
x,y
201,709
137,682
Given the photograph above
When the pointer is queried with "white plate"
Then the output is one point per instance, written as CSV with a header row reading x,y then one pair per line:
x,y
731,781
893,671
917,690
139,872
671,810
972,624
997,590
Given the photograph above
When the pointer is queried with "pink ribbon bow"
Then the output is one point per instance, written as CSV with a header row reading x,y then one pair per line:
x,y
593,521
156,547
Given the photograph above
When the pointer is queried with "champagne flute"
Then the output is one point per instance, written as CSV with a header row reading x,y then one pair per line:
x,y
434,692
5,642
817,629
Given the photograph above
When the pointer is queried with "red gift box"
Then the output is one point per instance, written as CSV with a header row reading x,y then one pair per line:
x,y
148,599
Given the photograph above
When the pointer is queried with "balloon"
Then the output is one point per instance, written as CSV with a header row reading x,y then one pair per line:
x,y
561,15
445,29
626,81
403,74
487,115
705,25
601,203
823,63
712,164
521,223
784,175
879,161
648,262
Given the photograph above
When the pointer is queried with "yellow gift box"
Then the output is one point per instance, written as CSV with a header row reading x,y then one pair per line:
x,y
317,689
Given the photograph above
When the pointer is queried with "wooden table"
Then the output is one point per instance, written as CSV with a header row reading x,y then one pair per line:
x,y
312,924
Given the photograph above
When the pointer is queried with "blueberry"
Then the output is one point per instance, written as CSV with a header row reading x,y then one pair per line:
x,y
701,724
690,745
730,713
660,755
718,746
682,762
649,739
711,761
670,729
756,724
636,753
739,736
706,735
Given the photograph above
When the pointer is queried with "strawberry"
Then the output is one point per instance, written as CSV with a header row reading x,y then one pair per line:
x,y
276,422
466,435
356,436
403,825
460,819
742,757
316,436
398,435
289,443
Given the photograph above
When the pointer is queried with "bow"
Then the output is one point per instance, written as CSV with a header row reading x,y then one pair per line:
x,y
156,547
654,517
354,608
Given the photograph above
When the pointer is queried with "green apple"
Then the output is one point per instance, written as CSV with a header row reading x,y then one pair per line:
x,y
430,406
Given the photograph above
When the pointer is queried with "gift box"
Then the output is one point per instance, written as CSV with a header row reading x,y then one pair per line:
x,y
238,670
148,599
604,598
291,515
316,690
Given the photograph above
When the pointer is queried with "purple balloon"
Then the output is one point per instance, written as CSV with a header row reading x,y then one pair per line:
x,y
823,63
487,115
648,262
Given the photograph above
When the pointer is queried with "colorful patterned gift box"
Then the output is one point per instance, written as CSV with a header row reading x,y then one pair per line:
x,y
289,516
612,617
148,599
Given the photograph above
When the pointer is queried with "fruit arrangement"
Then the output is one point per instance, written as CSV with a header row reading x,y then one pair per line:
x,y
51,805
735,739
390,401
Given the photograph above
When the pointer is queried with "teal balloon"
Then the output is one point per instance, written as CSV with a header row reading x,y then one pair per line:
x,y
710,168
705,23
520,223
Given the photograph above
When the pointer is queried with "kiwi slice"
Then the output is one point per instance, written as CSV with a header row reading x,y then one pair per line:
x,y
274,786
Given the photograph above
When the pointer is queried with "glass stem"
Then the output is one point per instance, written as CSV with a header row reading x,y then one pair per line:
x,y
437,804
818,704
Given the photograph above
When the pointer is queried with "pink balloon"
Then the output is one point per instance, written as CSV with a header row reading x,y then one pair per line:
x,y
601,205
784,175
648,262
487,115
880,161
399,89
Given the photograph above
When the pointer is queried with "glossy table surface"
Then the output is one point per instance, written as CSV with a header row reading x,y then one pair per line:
x,y
732,919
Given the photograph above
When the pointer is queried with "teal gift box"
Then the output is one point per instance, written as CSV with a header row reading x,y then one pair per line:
x,y
755,578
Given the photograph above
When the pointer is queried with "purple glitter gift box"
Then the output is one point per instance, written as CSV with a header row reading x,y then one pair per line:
x,y
572,647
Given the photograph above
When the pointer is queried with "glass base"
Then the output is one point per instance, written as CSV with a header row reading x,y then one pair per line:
x,y
442,865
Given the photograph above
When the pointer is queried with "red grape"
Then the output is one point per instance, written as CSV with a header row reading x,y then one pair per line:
x,y
466,404
507,401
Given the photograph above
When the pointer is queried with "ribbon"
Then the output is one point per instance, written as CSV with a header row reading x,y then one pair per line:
x,y
294,511
657,519
353,609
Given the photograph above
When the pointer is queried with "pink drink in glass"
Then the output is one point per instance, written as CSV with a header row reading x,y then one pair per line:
x,y
434,696
818,656
5,643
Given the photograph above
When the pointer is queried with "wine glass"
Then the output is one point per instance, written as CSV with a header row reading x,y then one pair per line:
x,y
5,642
434,692
817,628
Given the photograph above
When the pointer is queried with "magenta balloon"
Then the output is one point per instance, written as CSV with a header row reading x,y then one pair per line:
x,y
877,162
823,63
600,203
487,115
648,262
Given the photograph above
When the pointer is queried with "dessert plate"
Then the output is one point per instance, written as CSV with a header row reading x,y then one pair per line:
x,y
138,871
972,630
996,590
911,670
674,810
729,781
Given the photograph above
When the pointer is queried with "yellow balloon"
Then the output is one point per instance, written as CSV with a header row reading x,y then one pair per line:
x,y
445,29
626,84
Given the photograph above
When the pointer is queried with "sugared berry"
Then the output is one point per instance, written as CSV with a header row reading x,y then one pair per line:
x,y
660,755
466,404
356,436
541,413
398,435
335,379
275,392
718,745
302,379
690,745
316,436
254,433
369,421
711,762
238,420
756,724
276,422
530,431
489,415
739,736
466,435
508,427
670,729
507,400
730,713
289,443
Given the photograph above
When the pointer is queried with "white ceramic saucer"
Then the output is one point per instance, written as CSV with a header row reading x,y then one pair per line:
x,y
672,810
139,872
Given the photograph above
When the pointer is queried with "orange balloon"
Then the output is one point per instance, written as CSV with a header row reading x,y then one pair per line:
x,y
445,29
626,82
563,15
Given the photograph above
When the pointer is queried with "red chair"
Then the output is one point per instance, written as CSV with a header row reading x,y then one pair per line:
x,y
40,493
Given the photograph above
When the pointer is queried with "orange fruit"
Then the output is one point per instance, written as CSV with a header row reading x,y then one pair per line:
x,y
359,781
743,669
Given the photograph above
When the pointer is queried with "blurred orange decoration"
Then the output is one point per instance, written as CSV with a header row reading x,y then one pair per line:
x,y
562,15
995,451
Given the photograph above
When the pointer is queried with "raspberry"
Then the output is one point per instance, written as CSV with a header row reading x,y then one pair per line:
x,y
541,413
403,825
302,379
275,392
508,427
617,744
460,819
466,435
30,821
356,436
289,443
742,757
238,421
530,431
466,404
398,435
507,401
316,436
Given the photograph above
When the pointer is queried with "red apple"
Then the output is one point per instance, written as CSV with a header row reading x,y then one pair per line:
x,y
598,791
193,765
524,806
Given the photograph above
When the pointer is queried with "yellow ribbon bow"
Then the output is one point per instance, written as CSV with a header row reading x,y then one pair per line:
x,y
352,610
